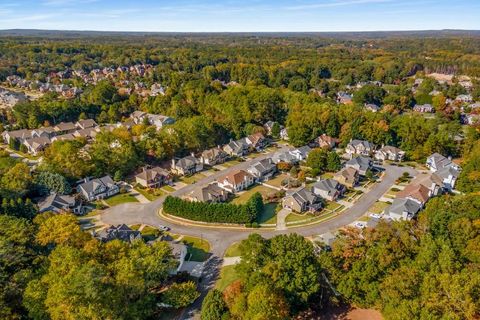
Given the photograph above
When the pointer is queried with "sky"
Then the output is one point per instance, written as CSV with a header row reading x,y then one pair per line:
x,y
240,16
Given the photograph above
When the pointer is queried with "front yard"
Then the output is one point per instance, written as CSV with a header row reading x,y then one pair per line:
x,y
198,249
277,181
228,275
193,178
120,198
378,207
233,250
244,196
150,194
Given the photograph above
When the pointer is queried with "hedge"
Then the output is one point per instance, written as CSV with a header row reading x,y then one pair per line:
x,y
215,212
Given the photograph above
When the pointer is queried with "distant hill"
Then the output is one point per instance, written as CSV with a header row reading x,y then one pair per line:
x,y
339,35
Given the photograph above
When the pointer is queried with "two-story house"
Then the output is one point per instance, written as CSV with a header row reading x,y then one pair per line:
x,y
98,188
186,166
153,177
236,181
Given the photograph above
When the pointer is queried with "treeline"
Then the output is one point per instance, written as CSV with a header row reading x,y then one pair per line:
x,y
215,212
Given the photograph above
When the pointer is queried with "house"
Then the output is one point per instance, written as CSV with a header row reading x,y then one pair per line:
x,y
449,175
301,153
263,169
284,156
257,141
121,232
372,107
329,189
236,181
179,252
348,177
64,137
64,127
237,148
98,188
437,162
464,98
344,98
210,193
389,153
153,177
423,108
269,126
85,124
325,141
157,120
43,132
284,134
59,203
186,166
19,135
87,133
360,147
416,192
36,145
302,200
214,156
403,209
361,164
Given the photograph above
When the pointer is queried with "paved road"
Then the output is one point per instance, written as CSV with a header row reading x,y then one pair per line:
x,y
220,239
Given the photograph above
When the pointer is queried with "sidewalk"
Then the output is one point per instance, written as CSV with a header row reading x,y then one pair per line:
x,y
281,217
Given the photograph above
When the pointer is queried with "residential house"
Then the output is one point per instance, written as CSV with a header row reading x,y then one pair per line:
x,y
237,148
269,126
436,162
325,141
187,165
59,203
157,120
416,192
263,169
403,209
36,145
372,107
432,181
214,156
464,98
449,175
284,134
64,137
361,164
85,124
210,193
284,156
329,189
360,147
179,251
301,153
121,232
348,177
87,133
257,141
48,132
19,135
344,98
98,188
153,177
64,128
302,200
236,181
423,108
389,153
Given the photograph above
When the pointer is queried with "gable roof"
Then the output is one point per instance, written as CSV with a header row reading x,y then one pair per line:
x,y
120,232
304,196
208,192
349,174
87,123
236,177
150,174
399,206
415,191
58,202
362,162
92,185
328,185
64,126
186,162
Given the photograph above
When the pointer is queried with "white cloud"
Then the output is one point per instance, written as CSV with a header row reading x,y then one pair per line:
x,y
336,3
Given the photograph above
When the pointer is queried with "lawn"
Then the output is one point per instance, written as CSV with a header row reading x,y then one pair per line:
x,y
167,188
120,198
228,275
332,205
150,194
268,215
245,196
197,248
378,207
150,233
233,250
229,164
192,179
277,181
327,175
294,217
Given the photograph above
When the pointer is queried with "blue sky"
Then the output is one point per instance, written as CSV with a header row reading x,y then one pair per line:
x,y
237,16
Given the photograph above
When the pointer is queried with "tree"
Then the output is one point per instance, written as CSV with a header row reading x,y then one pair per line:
x,y
264,302
317,160
48,181
333,162
68,159
275,130
17,180
369,94
180,295
213,306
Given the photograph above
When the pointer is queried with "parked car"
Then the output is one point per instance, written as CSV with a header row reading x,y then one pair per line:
x,y
163,228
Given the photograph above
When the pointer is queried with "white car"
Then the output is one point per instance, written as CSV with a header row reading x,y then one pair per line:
x,y
360,225
163,228
376,215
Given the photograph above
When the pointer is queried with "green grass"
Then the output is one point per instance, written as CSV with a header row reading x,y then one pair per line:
x,y
192,179
378,207
228,275
229,164
197,248
135,226
332,205
294,217
327,175
167,188
150,233
245,196
150,194
120,198
268,215
233,250
277,181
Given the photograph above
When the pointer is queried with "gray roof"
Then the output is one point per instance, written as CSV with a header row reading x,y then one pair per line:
x,y
445,172
283,157
399,206
56,202
328,185
305,195
207,193
439,161
93,184
364,143
263,165
187,162
120,232
363,163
